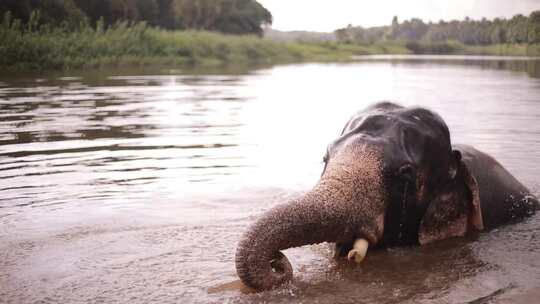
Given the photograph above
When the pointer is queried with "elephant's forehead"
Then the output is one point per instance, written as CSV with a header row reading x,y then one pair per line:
x,y
394,124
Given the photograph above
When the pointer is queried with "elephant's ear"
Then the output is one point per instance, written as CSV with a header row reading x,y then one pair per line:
x,y
455,210
475,220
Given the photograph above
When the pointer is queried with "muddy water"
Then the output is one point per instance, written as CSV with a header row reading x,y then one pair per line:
x,y
135,186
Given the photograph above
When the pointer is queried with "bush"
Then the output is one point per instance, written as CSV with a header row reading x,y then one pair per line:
x,y
446,47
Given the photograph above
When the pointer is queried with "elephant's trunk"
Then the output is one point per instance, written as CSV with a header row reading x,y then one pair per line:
x,y
341,208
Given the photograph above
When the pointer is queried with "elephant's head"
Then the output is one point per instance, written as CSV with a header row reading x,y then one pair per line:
x,y
391,178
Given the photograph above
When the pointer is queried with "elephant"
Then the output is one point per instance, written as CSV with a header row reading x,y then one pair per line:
x,y
392,178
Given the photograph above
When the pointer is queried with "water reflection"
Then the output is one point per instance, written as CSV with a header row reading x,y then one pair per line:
x,y
134,125
530,65
111,177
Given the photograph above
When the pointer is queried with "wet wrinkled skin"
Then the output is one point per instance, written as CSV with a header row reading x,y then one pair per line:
x,y
392,178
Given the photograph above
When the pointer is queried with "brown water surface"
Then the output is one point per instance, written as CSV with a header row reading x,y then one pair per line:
x,y
134,186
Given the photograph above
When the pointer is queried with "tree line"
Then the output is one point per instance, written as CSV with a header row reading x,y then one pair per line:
x,y
226,16
519,29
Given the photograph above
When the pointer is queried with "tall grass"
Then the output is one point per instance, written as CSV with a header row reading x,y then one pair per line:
x,y
31,46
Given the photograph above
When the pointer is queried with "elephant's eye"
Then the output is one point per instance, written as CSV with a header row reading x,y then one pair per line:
x,y
325,160
407,172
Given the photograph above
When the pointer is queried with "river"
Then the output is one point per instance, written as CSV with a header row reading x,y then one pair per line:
x,y
135,185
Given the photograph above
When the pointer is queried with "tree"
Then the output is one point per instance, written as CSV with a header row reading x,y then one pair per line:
x,y
19,9
123,10
227,16
498,31
534,28
414,29
148,10
51,11
393,33
165,15
96,9
518,29
74,13
243,17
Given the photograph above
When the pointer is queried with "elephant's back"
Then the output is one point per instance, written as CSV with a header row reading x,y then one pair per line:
x,y
503,199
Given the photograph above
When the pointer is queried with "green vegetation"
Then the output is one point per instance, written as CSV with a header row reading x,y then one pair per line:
x,y
70,34
458,48
35,46
226,16
519,35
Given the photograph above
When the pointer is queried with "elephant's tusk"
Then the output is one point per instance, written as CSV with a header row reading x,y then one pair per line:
x,y
359,251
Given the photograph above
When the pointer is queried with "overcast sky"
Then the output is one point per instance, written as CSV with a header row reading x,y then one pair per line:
x,y
328,15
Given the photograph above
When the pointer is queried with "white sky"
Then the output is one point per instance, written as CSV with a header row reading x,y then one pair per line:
x,y
328,15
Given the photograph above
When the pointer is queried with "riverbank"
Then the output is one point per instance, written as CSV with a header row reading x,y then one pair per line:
x,y
29,48
24,48
457,48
